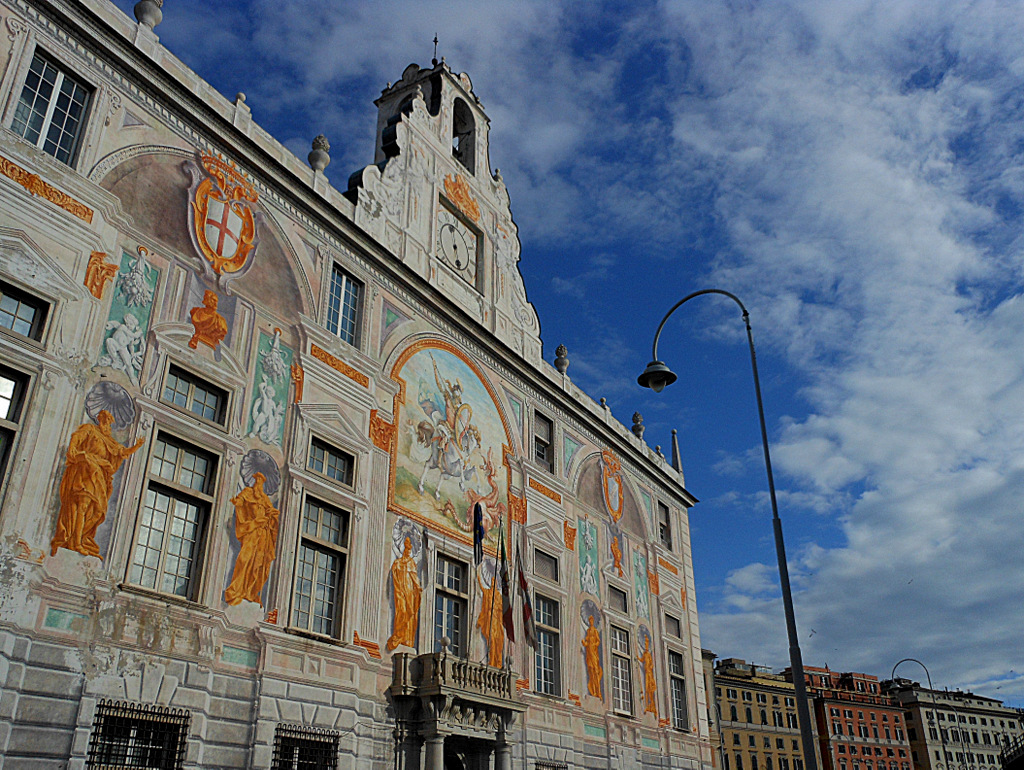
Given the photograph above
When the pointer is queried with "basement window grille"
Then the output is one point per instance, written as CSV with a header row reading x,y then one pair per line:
x,y
127,736
305,748
551,766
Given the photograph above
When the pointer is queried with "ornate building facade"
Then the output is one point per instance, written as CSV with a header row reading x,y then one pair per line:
x,y
267,445
757,718
956,729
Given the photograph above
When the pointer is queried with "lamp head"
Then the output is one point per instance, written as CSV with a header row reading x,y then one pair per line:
x,y
656,376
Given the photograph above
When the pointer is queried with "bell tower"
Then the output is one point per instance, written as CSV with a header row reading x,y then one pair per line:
x,y
433,201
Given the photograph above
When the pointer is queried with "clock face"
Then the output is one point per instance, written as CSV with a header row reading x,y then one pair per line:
x,y
457,245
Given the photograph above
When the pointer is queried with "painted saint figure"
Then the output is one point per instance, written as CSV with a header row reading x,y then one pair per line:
x,y
650,684
256,521
588,576
592,650
210,326
617,555
93,458
489,622
406,581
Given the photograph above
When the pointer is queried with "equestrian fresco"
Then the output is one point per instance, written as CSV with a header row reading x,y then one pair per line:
x,y
452,444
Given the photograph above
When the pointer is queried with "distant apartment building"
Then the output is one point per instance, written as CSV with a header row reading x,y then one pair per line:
x,y
859,726
956,730
758,718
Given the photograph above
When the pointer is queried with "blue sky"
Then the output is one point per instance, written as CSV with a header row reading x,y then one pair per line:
x,y
852,170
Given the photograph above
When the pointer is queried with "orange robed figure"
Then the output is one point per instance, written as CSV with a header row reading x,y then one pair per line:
x,y
406,583
489,622
93,458
617,555
211,327
650,685
592,646
256,529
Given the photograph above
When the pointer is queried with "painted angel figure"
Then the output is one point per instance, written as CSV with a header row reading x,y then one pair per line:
x,y
273,362
123,347
266,415
588,576
641,603
133,285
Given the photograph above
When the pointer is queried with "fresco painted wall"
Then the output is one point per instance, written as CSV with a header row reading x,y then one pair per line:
x,y
453,444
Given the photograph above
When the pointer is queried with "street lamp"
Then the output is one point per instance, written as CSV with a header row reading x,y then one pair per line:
x,y
935,708
656,377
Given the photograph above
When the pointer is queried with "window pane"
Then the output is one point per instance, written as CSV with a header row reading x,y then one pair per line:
x,y
343,305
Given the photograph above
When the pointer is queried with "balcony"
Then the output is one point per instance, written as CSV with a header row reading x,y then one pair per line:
x,y
440,673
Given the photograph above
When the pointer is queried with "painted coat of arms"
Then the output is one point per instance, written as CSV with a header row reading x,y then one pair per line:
x,y
222,221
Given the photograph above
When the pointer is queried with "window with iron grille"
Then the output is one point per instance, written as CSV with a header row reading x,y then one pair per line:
x,y
320,571
545,565
672,627
543,442
618,599
127,736
344,306
172,523
22,312
622,677
664,525
305,748
548,649
51,110
451,597
680,718
193,394
331,462
12,395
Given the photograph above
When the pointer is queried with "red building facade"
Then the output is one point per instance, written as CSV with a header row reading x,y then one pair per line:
x,y
859,727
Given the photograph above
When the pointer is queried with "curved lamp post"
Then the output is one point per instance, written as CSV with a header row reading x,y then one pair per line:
x,y
935,708
656,377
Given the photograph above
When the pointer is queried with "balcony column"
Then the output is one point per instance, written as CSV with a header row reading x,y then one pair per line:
x,y
503,756
434,752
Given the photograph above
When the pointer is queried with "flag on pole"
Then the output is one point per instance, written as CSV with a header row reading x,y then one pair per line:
x,y
529,630
478,534
506,595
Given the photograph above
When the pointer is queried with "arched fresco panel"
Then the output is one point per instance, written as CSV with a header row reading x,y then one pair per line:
x,y
453,448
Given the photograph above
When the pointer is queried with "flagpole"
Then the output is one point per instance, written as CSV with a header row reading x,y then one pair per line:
x,y
494,584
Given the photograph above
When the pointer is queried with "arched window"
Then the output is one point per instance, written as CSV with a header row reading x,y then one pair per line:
x,y
750,715
764,717
463,135
732,714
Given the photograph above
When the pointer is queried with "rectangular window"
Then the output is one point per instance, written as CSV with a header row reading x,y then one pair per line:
x,y
450,601
546,566
320,571
665,525
21,312
128,736
677,675
622,678
547,656
193,394
672,627
730,693
331,462
176,505
762,698
305,748
12,395
543,442
51,109
344,306
618,600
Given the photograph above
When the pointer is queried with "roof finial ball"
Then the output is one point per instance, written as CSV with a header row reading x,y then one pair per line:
x,y
318,157
561,359
148,13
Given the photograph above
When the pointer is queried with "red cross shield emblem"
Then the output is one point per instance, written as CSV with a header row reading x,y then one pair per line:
x,y
222,223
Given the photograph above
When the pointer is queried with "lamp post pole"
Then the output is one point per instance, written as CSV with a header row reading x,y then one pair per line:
x,y
656,376
935,709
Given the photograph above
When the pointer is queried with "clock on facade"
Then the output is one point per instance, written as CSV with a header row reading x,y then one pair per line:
x,y
457,245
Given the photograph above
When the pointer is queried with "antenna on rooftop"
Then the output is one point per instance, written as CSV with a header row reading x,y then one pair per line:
x,y
434,60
